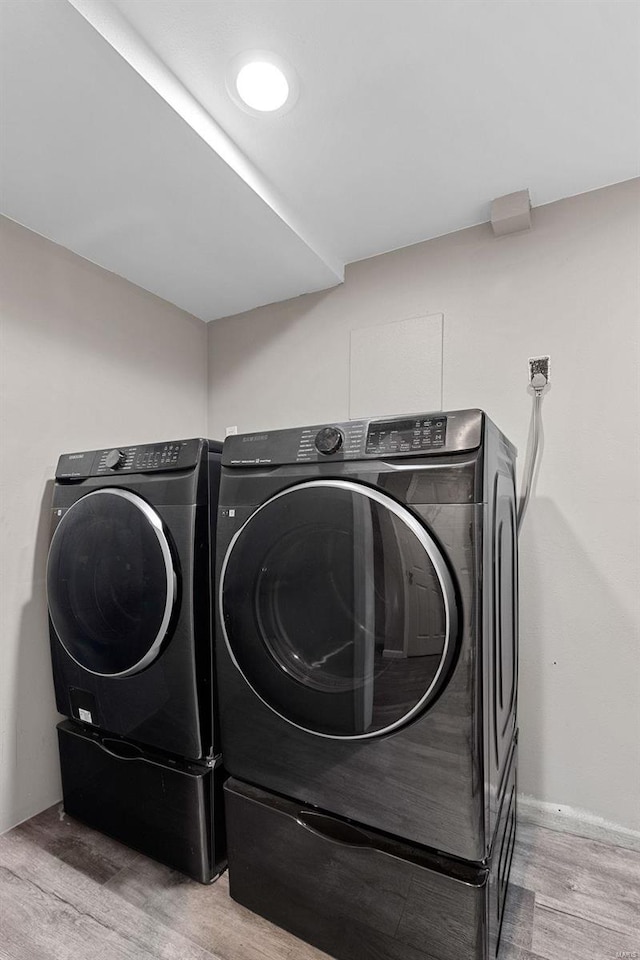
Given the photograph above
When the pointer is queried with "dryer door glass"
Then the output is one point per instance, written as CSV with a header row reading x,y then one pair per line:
x,y
339,609
110,582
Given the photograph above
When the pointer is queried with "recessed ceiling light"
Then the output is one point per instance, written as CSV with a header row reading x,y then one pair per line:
x,y
262,83
262,86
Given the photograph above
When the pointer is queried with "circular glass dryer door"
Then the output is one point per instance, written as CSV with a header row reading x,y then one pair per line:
x,y
339,609
111,582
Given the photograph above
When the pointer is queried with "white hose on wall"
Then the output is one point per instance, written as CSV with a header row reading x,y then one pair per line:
x,y
532,455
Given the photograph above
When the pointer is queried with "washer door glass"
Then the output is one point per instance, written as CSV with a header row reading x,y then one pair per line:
x,y
339,609
111,584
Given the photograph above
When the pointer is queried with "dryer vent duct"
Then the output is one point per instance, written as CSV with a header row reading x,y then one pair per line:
x,y
511,213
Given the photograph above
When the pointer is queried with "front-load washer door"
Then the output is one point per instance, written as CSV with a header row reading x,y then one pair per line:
x,y
339,609
111,582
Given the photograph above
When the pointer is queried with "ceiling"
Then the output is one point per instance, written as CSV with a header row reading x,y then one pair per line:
x,y
121,142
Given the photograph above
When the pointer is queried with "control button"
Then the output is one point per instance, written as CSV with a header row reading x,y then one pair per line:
x,y
115,459
328,440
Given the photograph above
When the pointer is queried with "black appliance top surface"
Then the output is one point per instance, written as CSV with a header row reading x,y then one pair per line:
x,y
161,457
411,435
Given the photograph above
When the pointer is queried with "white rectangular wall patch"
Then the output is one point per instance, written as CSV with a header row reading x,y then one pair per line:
x,y
396,368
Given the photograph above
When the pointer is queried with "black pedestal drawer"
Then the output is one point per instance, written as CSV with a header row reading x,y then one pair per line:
x,y
359,894
169,809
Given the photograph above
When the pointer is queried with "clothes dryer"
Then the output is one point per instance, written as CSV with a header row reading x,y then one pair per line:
x,y
367,604
367,664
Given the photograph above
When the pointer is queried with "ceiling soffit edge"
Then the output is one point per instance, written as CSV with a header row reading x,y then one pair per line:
x,y
119,34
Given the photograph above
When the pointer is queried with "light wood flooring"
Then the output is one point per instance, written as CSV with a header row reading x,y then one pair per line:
x,y
69,893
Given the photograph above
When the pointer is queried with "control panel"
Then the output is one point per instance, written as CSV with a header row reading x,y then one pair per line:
x,y
137,459
421,434
112,461
403,436
173,455
345,440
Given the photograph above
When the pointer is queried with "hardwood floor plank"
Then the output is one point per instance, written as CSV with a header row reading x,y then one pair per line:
x,y
51,910
92,853
517,924
38,924
508,951
207,915
562,936
587,878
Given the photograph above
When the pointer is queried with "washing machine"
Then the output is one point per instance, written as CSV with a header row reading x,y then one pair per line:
x,y
129,576
367,605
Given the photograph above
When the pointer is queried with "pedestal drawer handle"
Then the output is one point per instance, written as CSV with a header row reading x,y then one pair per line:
x,y
335,830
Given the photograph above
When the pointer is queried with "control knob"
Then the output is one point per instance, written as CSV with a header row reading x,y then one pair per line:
x,y
115,459
329,440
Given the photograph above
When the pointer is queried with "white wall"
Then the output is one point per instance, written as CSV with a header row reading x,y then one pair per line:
x,y
568,288
87,360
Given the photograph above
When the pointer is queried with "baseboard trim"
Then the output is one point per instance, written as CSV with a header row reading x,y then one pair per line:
x,y
22,817
581,823
552,816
